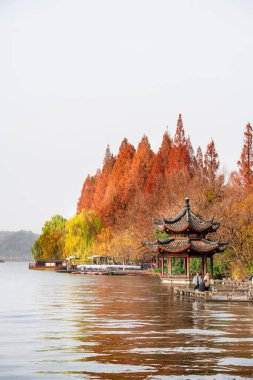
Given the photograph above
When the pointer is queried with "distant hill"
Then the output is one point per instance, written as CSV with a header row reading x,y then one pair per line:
x,y
16,246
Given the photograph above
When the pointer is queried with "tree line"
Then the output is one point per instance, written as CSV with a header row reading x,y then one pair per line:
x,y
118,205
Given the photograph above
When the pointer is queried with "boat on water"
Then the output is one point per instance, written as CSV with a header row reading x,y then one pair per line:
x,y
104,269
98,273
46,264
63,266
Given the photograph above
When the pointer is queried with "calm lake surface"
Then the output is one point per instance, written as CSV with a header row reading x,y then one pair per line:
x,y
57,326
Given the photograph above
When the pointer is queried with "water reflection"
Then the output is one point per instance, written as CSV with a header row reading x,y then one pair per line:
x,y
57,326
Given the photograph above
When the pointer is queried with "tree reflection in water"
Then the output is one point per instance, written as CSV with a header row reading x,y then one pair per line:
x,y
117,327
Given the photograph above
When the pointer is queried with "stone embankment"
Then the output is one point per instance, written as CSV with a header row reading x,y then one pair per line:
x,y
224,291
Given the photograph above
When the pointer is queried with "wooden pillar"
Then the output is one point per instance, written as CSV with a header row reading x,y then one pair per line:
x,y
162,266
204,265
211,266
169,266
188,274
157,261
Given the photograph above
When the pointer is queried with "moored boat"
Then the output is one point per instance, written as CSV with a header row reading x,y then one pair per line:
x,y
107,269
46,264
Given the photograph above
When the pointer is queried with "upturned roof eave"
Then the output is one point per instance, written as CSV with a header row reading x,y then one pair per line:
x,y
165,226
214,246
189,228
167,223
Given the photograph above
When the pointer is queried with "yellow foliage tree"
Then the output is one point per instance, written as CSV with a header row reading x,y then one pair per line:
x,y
81,232
50,244
118,246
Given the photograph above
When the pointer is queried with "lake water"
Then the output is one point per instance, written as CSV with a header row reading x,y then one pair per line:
x,y
57,326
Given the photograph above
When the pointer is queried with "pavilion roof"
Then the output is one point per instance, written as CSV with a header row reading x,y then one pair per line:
x,y
179,245
187,221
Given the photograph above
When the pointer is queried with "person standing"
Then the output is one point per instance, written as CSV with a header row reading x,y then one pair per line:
x,y
197,279
207,281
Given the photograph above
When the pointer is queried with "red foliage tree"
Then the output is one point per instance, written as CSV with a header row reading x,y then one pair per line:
x,y
115,197
179,160
211,162
192,158
141,167
199,160
135,186
245,164
87,194
156,179
102,181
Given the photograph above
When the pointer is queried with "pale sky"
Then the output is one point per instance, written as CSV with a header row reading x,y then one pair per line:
x,y
76,75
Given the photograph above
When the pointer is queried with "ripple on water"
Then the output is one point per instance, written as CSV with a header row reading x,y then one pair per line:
x,y
242,362
66,327
183,350
232,340
97,367
198,377
200,332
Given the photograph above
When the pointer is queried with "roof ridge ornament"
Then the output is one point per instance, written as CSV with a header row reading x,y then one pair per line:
x,y
187,203
187,209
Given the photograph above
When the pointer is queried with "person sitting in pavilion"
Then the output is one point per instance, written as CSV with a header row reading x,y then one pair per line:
x,y
203,287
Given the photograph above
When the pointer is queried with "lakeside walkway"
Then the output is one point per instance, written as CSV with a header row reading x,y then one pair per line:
x,y
232,291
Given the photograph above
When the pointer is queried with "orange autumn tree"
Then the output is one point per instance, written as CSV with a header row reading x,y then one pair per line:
x,y
115,199
87,194
211,162
199,161
245,163
102,181
179,160
137,214
141,167
192,158
156,179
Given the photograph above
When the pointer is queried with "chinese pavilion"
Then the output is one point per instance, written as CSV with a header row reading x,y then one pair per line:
x,y
186,239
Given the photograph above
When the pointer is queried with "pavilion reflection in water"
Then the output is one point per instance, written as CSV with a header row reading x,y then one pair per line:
x,y
186,239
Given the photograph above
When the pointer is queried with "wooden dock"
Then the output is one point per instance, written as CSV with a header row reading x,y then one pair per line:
x,y
237,294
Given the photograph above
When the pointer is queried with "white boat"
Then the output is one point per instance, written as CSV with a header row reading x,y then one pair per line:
x,y
105,267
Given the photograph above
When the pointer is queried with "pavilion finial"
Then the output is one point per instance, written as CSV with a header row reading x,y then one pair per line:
x,y
187,203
